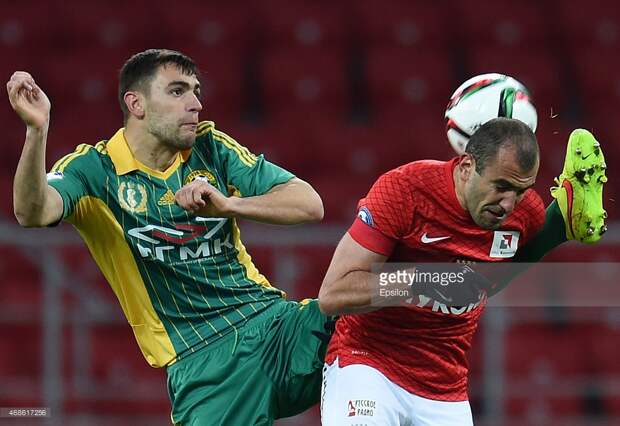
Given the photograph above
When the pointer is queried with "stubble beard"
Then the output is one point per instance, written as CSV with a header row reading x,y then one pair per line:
x,y
170,135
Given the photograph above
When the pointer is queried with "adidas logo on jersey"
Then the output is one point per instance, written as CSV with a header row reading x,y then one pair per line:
x,y
166,199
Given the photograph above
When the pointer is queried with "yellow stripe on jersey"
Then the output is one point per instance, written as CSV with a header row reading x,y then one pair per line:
x,y
246,260
103,234
204,127
101,147
242,152
242,254
61,164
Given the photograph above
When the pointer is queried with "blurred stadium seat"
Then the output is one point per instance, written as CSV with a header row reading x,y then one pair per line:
x,y
217,27
222,83
303,24
415,81
21,279
420,24
101,26
305,81
24,362
21,29
519,24
340,195
539,352
598,70
601,19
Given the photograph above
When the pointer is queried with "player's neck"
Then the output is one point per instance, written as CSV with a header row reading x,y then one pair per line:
x,y
459,187
148,150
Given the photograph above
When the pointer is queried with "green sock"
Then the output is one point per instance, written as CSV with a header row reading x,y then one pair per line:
x,y
552,234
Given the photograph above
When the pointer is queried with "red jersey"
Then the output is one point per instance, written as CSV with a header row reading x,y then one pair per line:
x,y
412,214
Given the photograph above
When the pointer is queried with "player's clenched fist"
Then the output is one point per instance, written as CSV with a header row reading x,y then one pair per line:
x,y
28,100
201,198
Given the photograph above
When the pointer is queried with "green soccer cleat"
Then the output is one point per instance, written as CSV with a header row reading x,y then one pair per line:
x,y
580,188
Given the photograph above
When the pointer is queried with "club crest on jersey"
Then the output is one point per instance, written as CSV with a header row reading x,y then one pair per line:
x,y
132,197
205,174
505,244
365,216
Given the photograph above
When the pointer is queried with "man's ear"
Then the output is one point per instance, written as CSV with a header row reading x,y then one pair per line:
x,y
135,104
466,167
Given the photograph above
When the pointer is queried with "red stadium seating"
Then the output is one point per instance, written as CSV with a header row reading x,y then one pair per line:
x,y
604,345
588,24
282,142
22,29
264,258
538,352
598,70
549,368
104,26
305,23
21,283
408,79
96,81
21,351
308,264
341,194
501,24
305,80
218,27
222,82
419,23
538,406
116,357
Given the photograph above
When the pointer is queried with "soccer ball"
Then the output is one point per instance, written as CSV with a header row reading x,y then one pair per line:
x,y
483,98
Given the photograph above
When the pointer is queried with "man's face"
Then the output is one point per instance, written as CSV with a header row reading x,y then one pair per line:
x,y
172,107
491,196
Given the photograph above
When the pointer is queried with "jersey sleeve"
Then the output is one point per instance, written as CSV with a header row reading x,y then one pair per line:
x,y
251,174
385,215
72,176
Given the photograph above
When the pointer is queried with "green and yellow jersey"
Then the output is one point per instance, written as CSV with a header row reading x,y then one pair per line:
x,y
183,281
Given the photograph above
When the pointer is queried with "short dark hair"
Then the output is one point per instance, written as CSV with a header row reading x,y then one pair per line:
x,y
139,70
486,142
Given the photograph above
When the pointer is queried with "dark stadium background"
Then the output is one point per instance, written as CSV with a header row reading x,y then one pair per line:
x,y
338,92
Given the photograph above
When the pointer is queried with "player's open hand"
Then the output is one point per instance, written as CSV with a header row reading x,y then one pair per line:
x,y
203,199
28,100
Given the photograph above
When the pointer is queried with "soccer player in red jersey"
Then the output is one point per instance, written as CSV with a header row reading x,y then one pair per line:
x,y
407,365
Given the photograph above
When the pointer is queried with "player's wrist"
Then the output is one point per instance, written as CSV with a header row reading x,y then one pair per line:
x,y
234,207
37,130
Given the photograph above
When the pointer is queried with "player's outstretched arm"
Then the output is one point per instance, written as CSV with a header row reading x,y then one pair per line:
x,y
290,203
35,203
347,286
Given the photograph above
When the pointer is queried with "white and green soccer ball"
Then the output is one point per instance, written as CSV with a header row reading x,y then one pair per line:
x,y
483,98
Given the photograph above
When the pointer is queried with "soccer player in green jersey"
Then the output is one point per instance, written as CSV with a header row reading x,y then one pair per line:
x,y
157,206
